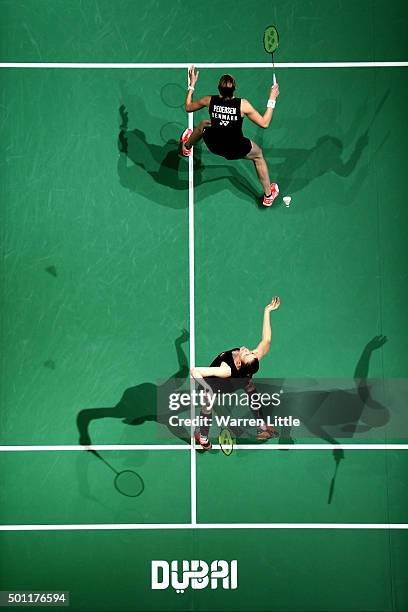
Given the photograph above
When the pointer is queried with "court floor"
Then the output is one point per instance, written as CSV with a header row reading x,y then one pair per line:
x,y
106,247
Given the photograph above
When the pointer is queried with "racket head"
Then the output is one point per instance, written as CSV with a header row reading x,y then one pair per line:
x,y
271,39
129,483
226,441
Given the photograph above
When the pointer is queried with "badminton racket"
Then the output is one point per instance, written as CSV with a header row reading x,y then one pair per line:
x,y
226,441
271,43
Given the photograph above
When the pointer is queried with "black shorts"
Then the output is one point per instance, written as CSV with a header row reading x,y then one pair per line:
x,y
233,149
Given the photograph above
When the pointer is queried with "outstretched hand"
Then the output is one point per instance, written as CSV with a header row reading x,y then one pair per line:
x,y
184,336
274,304
376,342
193,76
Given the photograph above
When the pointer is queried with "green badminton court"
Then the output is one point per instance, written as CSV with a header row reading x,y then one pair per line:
x,y
116,275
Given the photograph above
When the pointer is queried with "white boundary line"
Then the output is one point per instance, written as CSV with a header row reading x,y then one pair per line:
x,y
87,65
191,264
191,448
147,526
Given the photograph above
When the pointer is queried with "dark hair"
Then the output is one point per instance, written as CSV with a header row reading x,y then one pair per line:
x,y
226,86
249,369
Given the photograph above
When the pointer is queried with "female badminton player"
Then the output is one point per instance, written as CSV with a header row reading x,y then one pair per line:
x,y
223,132
232,370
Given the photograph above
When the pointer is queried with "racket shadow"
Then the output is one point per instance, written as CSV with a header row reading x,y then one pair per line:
x,y
126,482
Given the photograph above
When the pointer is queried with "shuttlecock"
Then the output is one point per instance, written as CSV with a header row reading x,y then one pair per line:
x,y
287,200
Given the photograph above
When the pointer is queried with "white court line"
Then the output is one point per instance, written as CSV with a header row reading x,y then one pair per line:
x,y
157,526
191,265
102,447
191,448
87,65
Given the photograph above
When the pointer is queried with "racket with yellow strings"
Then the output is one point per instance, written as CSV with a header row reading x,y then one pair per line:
x,y
226,441
271,43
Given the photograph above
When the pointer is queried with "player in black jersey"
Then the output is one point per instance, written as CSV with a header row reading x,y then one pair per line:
x,y
223,132
232,370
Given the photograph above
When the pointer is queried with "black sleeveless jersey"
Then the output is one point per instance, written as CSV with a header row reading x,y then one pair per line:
x,y
236,381
226,116
228,358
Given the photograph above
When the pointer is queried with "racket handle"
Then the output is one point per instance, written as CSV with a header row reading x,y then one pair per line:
x,y
274,78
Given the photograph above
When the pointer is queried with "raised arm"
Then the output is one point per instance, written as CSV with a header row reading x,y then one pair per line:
x,y
345,169
264,120
361,371
192,105
263,346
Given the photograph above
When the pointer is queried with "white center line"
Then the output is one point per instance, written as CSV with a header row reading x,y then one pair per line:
x,y
192,319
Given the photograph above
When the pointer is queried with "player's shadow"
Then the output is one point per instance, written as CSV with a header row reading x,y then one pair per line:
x,y
139,404
295,168
331,415
299,167
337,413
155,171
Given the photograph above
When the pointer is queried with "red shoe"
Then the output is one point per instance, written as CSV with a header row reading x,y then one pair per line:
x,y
183,139
204,443
268,200
272,431
266,434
